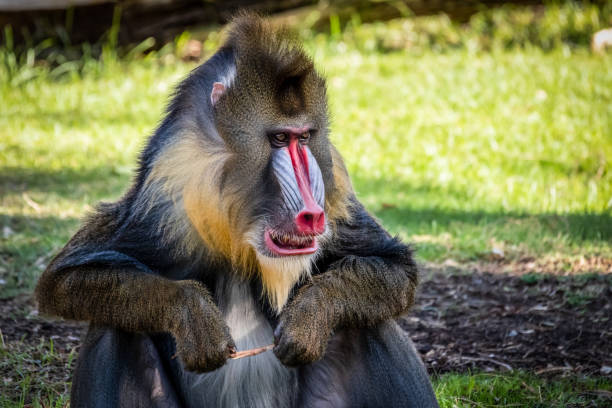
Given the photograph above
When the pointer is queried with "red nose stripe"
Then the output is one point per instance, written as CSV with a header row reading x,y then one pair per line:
x,y
311,218
299,159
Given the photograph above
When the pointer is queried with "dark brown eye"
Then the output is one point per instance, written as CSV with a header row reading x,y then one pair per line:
x,y
279,139
304,137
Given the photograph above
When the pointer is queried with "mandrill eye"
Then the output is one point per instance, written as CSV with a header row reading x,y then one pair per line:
x,y
304,137
279,139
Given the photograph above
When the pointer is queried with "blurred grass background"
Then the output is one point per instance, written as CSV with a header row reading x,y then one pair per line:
x,y
478,141
463,139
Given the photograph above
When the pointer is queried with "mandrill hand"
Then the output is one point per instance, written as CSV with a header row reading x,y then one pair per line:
x,y
304,328
203,340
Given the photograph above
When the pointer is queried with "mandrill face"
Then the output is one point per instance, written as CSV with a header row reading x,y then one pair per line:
x,y
282,182
280,156
279,168
294,229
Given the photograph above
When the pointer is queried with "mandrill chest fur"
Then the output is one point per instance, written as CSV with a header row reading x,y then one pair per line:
x,y
257,381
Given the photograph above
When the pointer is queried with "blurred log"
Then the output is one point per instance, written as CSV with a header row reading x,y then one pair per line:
x,y
88,20
23,5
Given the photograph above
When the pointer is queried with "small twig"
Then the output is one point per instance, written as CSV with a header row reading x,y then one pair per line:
x,y
244,353
251,352
552,369
2,339
478,404
599,393
530,388
31,202
490,360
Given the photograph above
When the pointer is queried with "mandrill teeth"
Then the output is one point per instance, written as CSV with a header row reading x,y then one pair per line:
x,y
291,240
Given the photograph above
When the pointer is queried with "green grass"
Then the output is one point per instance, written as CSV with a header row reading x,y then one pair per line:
x,y
64,146
36,375
467,150
458,152
520,389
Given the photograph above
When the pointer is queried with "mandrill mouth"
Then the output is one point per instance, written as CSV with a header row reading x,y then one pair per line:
x,y
283,244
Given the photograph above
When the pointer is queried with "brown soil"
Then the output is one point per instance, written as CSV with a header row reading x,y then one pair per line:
x,y
19,322
488,321
468,319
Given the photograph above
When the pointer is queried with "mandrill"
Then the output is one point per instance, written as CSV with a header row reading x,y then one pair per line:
x,y
240,229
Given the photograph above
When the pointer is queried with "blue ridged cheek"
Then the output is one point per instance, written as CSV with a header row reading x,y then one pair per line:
x,y
283,170
316,179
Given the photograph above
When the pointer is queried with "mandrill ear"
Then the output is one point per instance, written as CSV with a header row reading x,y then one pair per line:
x,y
217,90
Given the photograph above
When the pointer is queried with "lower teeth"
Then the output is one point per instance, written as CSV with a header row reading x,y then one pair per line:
x,y
298,244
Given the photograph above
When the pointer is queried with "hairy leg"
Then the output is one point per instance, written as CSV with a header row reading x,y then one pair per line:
x,y
120,369
376,367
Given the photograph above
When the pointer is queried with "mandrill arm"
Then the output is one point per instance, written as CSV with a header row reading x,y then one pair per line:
x,y
368,277
108,288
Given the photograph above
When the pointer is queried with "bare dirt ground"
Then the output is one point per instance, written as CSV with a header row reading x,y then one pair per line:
x,y
543,324
465,318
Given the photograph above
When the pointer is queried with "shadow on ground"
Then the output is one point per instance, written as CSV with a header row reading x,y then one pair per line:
x,y
65,182
423,206
444,228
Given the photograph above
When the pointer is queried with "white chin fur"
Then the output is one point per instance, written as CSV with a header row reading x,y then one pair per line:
x,y
280,274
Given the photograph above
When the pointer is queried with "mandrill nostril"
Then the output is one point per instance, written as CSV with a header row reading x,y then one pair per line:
x,y
311,221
